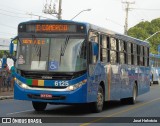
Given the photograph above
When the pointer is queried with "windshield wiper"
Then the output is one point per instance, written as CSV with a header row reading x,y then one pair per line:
x,y
36,47
64,45
40,53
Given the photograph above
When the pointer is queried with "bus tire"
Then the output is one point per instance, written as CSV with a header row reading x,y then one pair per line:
x,y
152,80
124,101
132,100
150,83
98,105
39,106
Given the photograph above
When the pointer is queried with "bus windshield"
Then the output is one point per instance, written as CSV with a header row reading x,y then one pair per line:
x,y
67,54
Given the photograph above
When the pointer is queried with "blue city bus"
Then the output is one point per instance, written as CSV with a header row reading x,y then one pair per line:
x,y
155,68
67,62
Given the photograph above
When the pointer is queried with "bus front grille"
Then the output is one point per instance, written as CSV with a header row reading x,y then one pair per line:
x,y
46,76
51,75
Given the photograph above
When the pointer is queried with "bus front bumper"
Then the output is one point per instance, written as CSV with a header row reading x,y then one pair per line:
x,y
65,97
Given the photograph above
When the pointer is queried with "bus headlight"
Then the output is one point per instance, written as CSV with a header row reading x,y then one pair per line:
x,y
75,86
21,84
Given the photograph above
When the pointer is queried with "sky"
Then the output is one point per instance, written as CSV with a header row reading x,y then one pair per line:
x,y
109,14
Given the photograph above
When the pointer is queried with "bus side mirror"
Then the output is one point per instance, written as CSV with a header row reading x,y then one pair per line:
x,y
93,50
11,48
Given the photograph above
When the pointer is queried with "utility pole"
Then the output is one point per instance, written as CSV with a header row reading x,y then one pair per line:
x,y
48,9
60,10
126,18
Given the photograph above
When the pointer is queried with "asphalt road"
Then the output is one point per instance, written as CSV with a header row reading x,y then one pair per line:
x,y
147,107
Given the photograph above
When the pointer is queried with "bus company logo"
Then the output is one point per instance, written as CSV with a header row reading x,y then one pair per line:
x,y
6,120
46,77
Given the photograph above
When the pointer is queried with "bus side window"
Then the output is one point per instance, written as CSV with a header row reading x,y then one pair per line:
x,y
129,52
108,49
113,52
135,54
93,38
103,48
122,53
138,55
117,50
141,55
125,52
132,54
145,56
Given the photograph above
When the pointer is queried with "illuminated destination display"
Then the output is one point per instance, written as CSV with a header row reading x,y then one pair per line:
x,y
51,28
36,41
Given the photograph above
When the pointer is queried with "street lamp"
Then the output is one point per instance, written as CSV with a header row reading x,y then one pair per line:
x,y
80,13
152,35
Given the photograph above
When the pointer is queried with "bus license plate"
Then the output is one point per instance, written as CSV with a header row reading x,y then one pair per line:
x,y
46,96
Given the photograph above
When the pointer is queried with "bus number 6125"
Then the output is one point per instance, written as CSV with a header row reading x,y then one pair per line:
x,y
61,83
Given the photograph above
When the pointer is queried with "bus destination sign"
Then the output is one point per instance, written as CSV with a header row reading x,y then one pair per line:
x,y
49,28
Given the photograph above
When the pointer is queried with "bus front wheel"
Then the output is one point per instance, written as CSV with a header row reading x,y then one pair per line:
x,y
39,106
98,105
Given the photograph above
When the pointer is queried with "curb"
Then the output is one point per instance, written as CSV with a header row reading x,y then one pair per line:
x,y
6,97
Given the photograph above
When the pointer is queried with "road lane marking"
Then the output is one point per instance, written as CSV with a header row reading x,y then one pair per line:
x,y
120,112
20,112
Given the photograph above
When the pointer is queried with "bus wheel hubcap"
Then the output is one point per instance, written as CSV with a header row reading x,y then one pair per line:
x,y
135,93
100,100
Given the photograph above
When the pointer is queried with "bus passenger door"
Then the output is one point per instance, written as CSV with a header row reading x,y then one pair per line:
x,y
93,72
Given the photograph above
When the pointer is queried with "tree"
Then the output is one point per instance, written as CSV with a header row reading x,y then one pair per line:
x,y
145,29
1,53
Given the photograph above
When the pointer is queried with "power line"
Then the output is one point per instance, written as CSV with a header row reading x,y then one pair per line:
x,y
7,33
39,16
8,26
21,14
147,9
24,13
11,12
12,15
114,22
15,9
138,15
142,14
